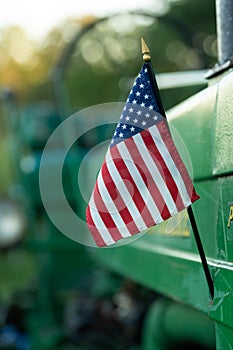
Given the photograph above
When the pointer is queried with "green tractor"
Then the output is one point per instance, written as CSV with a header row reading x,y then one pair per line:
x,y
151,294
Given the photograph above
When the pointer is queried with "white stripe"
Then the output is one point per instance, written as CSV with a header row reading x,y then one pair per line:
x,y
112,209
155,173
170,164
99,223
133,170
126,196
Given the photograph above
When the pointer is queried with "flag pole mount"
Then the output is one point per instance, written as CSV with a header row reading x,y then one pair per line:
x,y
145,51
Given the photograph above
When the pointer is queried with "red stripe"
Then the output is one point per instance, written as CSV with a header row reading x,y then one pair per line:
x,y
105,215
94,231
163,169
118,201
132,187
165,134
152,187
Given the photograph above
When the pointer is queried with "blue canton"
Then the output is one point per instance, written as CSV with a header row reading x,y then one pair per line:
x,y
141,109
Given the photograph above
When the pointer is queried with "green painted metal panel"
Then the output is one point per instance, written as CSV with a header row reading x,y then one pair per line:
x,y
205,122
223,160
194,119
225,234
171,272
206,212
224,337
221,309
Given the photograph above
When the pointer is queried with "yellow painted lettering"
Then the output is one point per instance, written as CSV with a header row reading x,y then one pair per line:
x,y
230,216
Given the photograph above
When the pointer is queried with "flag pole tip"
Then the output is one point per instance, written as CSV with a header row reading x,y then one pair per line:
x,y
145,51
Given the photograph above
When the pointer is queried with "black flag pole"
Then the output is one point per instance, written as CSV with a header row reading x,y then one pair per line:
x,y
147,60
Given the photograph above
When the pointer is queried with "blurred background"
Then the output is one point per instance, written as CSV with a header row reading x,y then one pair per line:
x,y
57,58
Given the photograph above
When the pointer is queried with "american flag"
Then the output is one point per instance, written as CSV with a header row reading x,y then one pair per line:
x,y
143,180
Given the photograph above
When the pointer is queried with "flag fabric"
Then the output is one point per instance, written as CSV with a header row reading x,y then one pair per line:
x,y
143,180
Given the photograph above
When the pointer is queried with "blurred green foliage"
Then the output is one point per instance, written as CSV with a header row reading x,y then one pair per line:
x,y
17,270
99,66
182,38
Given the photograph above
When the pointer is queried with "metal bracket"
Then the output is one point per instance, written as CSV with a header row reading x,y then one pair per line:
x,y
218,69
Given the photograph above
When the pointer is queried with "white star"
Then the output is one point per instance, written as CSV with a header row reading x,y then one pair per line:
x,y
142,104
145,70
146,97
139,112
130,110
155,117
132,129
122,116
147,115
118,125
138,93
124,108
121,134
141,86
143,123
127,99
112,141
135,120
124,127
134,102
131,91
150,107
127,118
115,133
135,83
139,75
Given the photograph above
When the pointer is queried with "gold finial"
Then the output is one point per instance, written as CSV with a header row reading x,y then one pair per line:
x,y
145,51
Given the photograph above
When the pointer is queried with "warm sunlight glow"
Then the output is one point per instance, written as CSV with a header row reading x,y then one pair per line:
x,y
38,17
